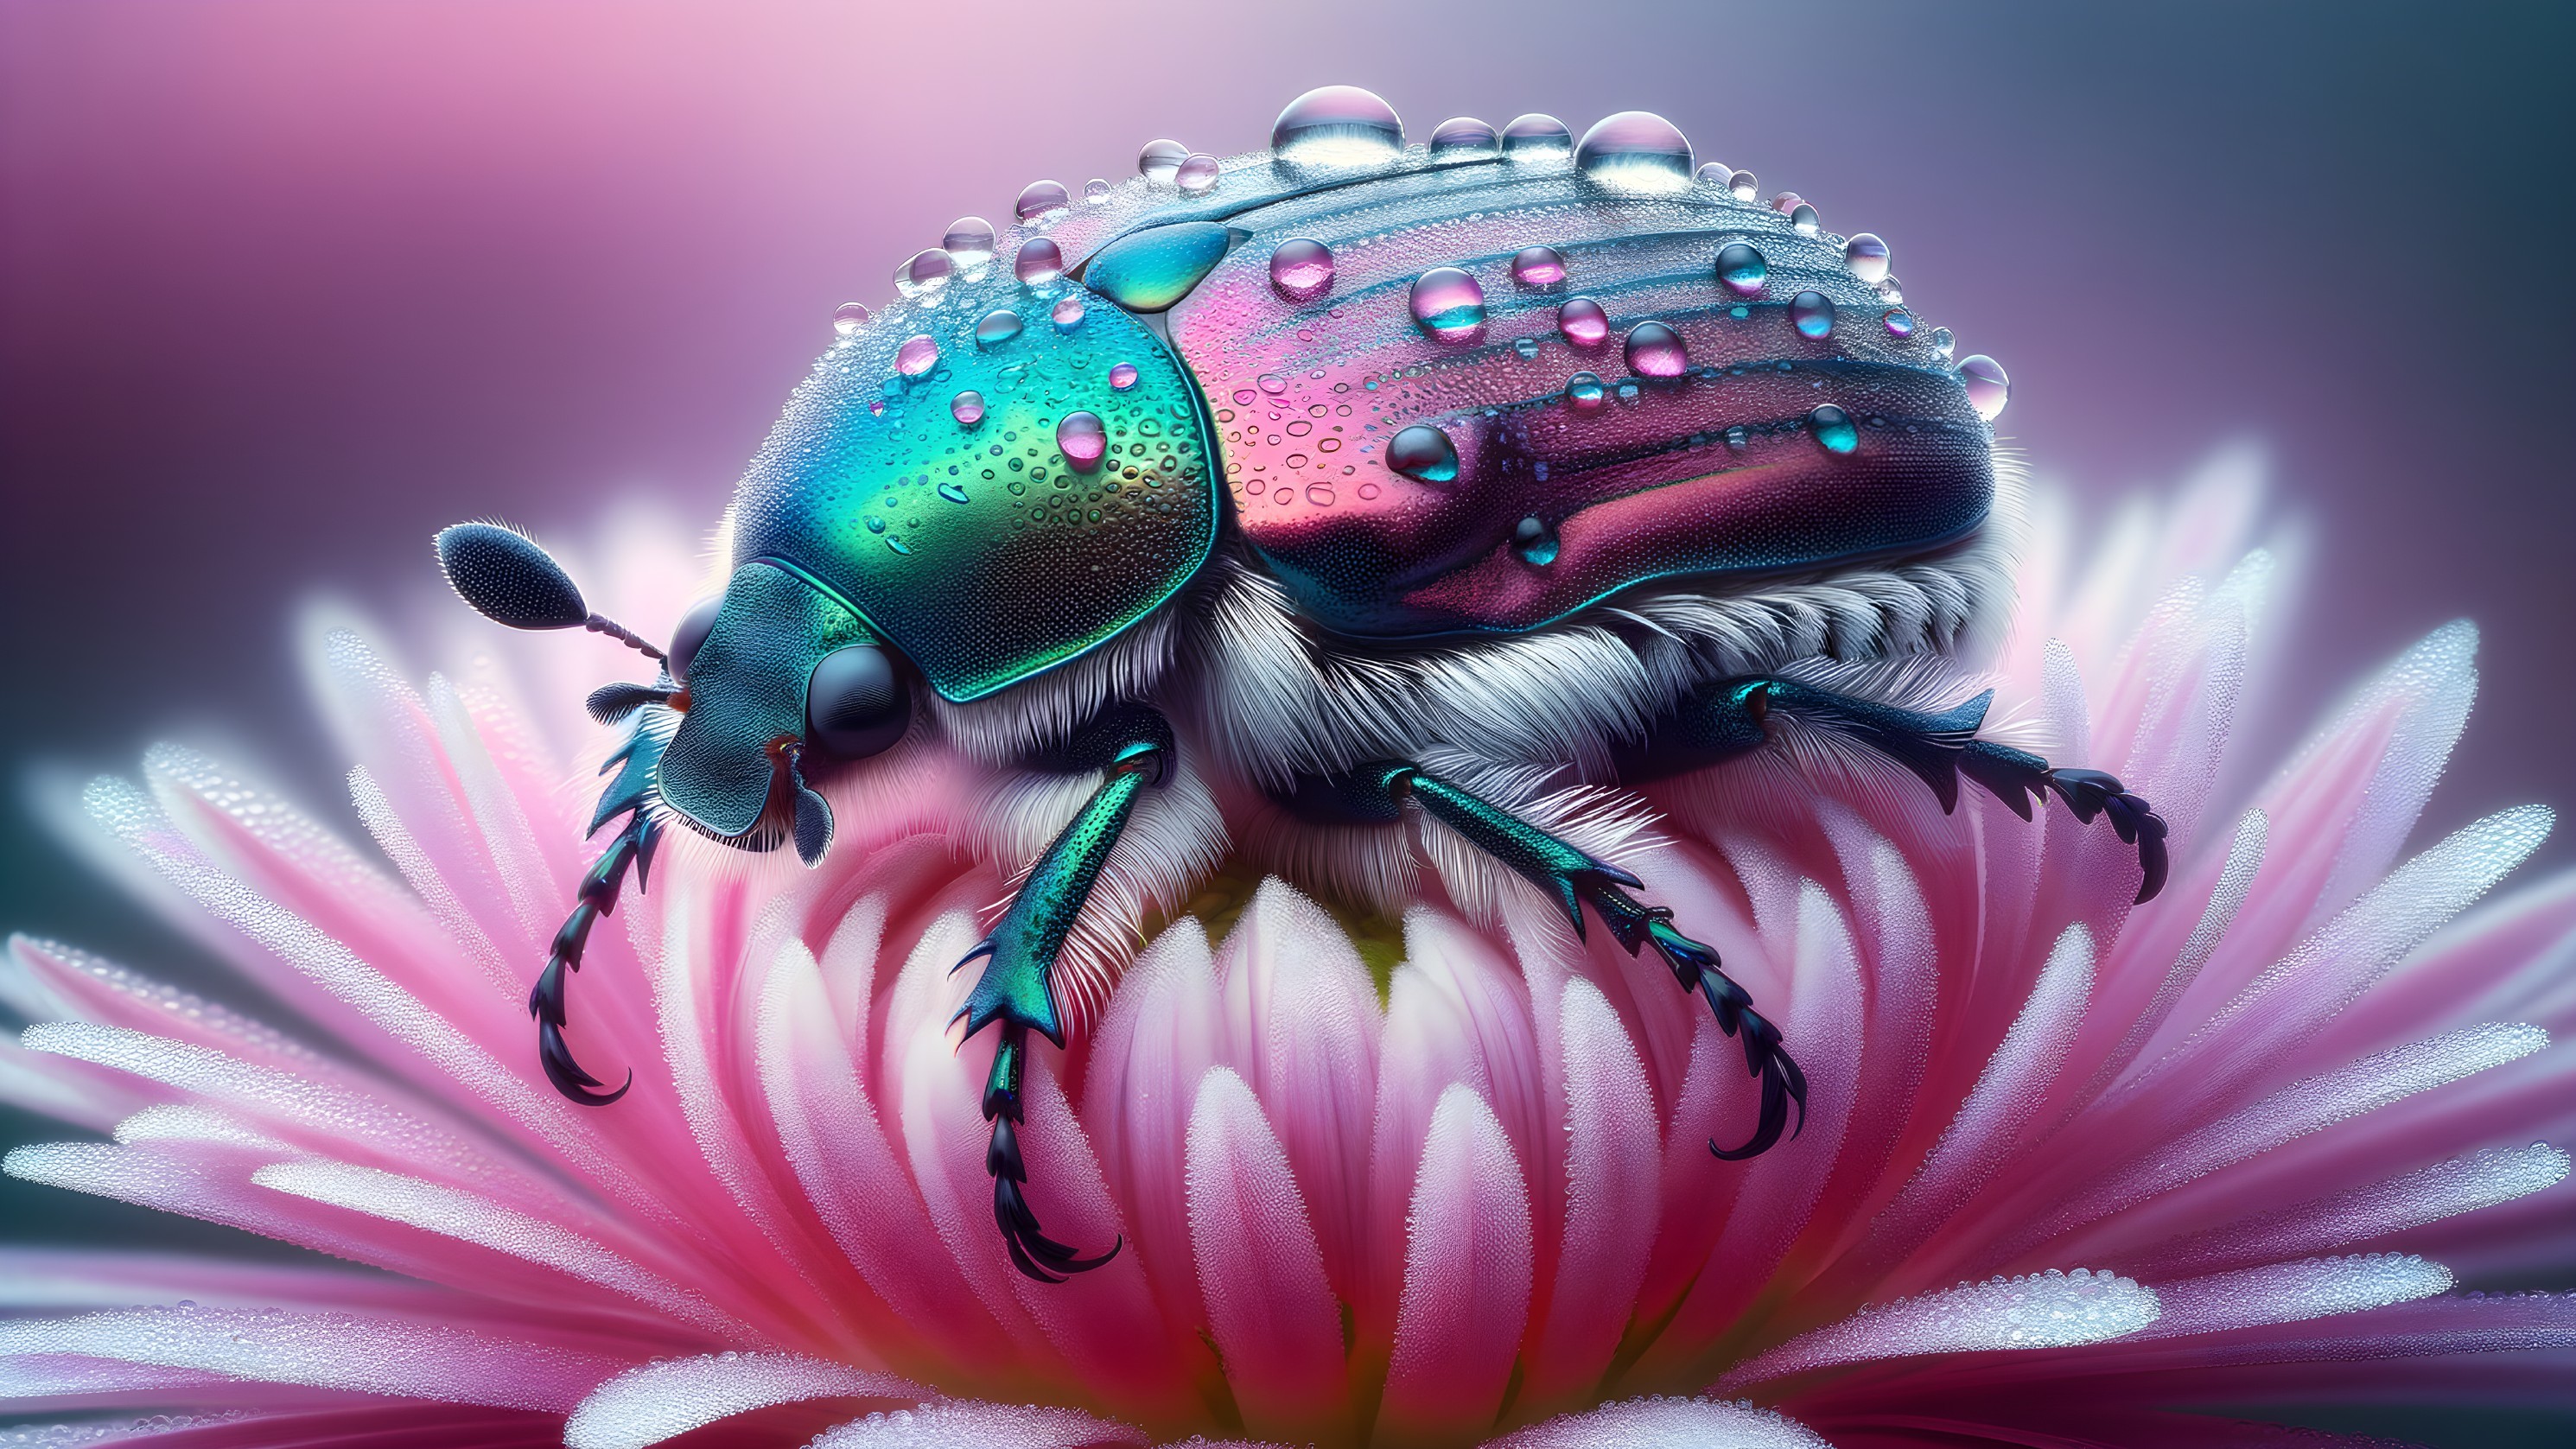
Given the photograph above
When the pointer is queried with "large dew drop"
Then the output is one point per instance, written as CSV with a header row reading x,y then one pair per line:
x,y
1082,440
849,317
1656,350
1160,159
997,327
924,272
1423,452
1538,267
1449,304
1812,313
1866,255
1464,138
1336,128
1833,429
918,354
1635,151
1041,198
1197,175
1583,322
1741,269
1988,388
969,242
1302,269
1040,260
1536,134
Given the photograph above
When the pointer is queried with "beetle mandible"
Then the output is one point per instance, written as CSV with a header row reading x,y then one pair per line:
x,y
1341,480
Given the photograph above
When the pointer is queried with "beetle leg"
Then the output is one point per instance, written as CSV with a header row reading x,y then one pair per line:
x,y
1017,989
631,795
1728,718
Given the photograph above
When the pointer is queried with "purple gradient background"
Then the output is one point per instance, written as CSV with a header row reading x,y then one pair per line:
x,y
287,286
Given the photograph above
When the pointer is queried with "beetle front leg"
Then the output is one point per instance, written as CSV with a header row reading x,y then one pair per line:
x,y
1727,719
630,794
1131,747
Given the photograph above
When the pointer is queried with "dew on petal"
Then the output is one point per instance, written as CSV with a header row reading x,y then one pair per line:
x,y
1741,269
924,272
1535,135
1656,350
1449,304
967,408
1302,269
1464,138
1039,261
1082,440
1833,429
1867,257
1161,159
1582,322
1812,313
969,242
1122,377
1538,267
1585,394
1423,452
1337,127
849,317
997,327
1988,387
1096,191
1197,174
1635,151
1041,199
1066,314
918,354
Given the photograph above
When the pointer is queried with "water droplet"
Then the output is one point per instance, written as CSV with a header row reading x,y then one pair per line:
x,y
1082,440
1635,151
1271,383
1584,393
1538,267
1148,271
1525,348
1804,219
1833,429
1583,322
1943,342
1160,159
924,272
919,354
1301,269
1095,191
1737,438
1336,127
1741,269
1898,322
1536,134
1039,261
1786,202
1890,290
1743,186
1655,350
969,242
1041,198
1988,388
1197,174
1423,452
849,317
1449,304
1866,255
1714,173
1122,377
1464,138
1066,314
1812,313
953,492
997,327
1535,542
967,408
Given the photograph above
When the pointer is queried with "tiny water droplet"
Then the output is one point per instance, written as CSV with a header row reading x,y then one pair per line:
x,y
1898,322
875,524
1271,383
919,354
1743,186
1041,198
952,492
924,272
1866,255
1160,159
1714,173
997,327
1337,127
1082,440
1889,290
1804,219
1535,542
1197,174
1302,269
1122,377
1833,429
1583,322
1066,314
1988,388
1635,151
1423,452
1449,304
1096,191
1039,261
1536,134
967,408
849,317
1656,350
1737,438
1786,202
1584,393
1464,138
1525,348
1812,313
969,242
1538,267
1741,269
1943,343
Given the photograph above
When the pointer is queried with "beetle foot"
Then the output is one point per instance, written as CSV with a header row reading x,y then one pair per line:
x,y
1032,1251
629,794
2019,778
1695,966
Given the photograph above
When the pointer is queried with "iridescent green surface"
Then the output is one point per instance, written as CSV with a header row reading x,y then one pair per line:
x,y
1153,269
747,688
1018,980
976,549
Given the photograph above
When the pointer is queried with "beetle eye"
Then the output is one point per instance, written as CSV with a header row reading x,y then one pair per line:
x,y
694,628
856,705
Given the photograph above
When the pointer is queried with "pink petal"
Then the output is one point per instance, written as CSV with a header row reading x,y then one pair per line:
x,y
2292,1292
2044,1310
1666,1424
1466,1278
659,1401
1160,1035
953,1425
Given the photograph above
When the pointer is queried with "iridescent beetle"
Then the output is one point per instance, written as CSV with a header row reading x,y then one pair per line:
x,y
1535,454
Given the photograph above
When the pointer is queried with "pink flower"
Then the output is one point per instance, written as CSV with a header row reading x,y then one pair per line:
x,y
1441,1179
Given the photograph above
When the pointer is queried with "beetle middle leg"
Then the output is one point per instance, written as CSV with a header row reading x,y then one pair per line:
x,y
1377,793
1131,747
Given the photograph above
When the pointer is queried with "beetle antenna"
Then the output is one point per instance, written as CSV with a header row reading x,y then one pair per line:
x,y
510,580
602,624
